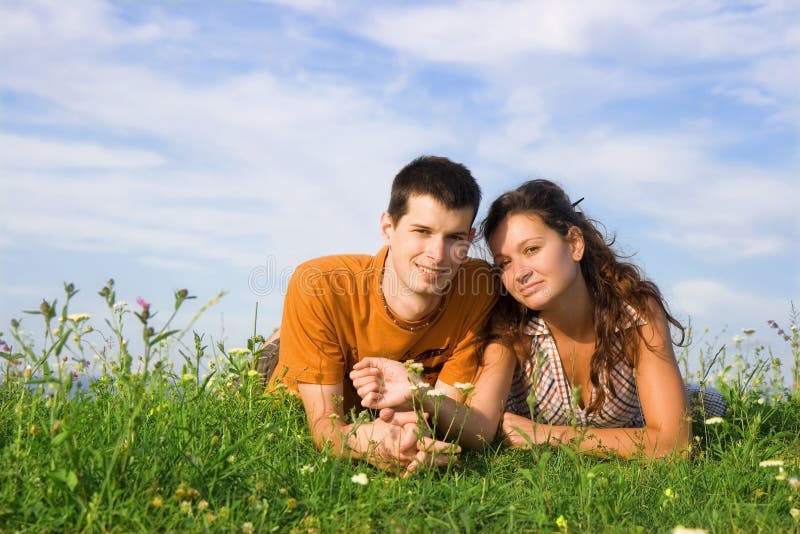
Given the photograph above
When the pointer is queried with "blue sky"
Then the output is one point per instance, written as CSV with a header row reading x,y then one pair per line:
x,y
214,145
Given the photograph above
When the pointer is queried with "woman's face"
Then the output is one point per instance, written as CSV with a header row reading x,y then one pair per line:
x,y
537,264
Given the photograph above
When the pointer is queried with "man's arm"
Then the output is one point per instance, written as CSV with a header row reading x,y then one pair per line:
x,y
393,441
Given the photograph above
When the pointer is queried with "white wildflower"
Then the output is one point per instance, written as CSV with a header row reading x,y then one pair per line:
x,y
419,386
253,372
120,304
78,317
306,469
770,463
464,387
781,474
436,393
794,483
748,331
714,420
794,512
738,339
413,366
238,352
360,479
680,529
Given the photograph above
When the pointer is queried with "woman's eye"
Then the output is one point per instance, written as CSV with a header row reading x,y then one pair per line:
x,y
531,250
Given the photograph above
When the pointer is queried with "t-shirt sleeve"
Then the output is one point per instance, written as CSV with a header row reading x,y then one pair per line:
x,y
463,364
310,350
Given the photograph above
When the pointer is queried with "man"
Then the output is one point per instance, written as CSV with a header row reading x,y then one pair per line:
x,y
420,299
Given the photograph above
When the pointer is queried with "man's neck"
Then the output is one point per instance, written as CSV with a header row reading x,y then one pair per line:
x,y
405,305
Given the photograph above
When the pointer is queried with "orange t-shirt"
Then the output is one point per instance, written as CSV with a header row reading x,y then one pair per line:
x,y
334,315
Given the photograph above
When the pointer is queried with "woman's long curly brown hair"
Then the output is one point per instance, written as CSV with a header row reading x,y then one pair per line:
x,y
612,283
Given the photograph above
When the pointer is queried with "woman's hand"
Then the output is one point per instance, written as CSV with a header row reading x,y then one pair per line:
x,y
518,430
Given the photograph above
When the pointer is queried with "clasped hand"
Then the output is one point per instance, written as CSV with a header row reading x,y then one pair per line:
x,y
385,384
404,447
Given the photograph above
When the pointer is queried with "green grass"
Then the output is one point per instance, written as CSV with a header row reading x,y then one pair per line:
x,y
149,447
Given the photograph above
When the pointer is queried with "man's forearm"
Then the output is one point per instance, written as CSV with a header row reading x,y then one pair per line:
x,y
385,445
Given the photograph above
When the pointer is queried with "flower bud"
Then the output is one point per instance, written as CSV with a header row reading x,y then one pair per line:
x,y
14,323
45,307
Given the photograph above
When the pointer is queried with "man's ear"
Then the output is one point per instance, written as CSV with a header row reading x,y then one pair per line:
x,y
576,242
387,227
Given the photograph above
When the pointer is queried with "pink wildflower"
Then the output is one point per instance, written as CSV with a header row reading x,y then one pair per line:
x,y
143,303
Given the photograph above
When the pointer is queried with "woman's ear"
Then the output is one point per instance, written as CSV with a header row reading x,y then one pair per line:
x,y
576,242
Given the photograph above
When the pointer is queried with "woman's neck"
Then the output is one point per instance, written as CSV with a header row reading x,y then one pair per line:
x,y
573,314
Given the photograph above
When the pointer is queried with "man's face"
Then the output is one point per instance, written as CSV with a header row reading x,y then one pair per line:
x,y
427,246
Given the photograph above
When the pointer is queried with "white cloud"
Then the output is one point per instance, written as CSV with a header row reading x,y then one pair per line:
x,y
22,152
170,264
710,300
29,292
473,32
294,159
283,145
485,33
687,197
61,29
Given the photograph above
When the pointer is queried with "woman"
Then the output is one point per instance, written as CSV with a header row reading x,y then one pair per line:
x,y
591,334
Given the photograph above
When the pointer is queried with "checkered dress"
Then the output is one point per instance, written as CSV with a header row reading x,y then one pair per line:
x,y
543,381
554,402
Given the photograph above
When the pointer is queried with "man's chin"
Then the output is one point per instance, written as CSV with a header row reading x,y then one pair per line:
x,y
434,289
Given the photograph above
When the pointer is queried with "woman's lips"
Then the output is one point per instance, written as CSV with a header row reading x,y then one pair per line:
x,y
530,288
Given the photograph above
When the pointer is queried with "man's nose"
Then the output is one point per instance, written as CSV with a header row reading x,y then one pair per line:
x,y
436,249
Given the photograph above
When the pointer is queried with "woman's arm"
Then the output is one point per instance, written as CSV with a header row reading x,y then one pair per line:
x,y
474,418
661,395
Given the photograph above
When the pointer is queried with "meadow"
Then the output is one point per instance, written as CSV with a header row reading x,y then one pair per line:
x,y
178,434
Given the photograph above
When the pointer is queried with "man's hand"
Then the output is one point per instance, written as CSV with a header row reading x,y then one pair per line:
x,y
395,440
381,383
404,447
